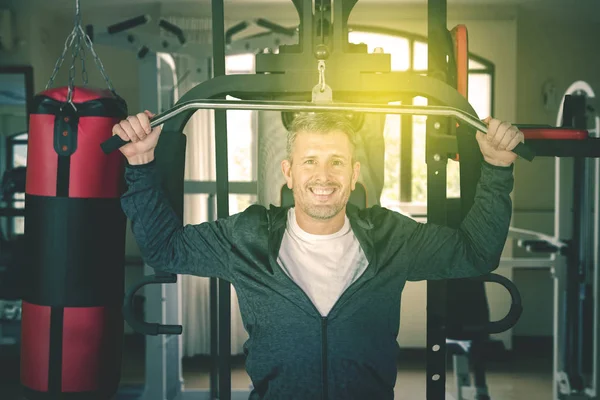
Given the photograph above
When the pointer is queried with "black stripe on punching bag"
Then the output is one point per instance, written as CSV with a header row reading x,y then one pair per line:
x,y
80,251
62,176
66,122
56,350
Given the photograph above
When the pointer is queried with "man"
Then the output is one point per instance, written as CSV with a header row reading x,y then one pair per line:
x,y
319,284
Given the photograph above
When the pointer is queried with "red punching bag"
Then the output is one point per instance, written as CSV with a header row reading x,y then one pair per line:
x,y
72,325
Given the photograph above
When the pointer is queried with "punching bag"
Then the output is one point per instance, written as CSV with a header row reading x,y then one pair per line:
x,y
72,325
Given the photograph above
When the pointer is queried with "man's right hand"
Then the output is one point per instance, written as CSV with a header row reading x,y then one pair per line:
x,y
136,128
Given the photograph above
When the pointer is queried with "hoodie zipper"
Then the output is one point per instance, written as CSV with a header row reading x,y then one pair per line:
x,y
324,377
324,361
324,357
325,386
325,383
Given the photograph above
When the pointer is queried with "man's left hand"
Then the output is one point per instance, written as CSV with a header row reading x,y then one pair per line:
x,y
496,145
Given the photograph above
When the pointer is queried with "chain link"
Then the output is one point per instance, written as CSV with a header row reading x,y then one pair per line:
x,y
88,43
84,74
321,67
78,50
61,59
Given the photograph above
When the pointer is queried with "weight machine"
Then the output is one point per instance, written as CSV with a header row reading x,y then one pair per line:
x,y
573,251
289,78
285,82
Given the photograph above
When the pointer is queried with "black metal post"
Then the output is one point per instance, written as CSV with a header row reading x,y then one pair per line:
x,y
436,204
575,279
214,338
224,288
406,159
578,271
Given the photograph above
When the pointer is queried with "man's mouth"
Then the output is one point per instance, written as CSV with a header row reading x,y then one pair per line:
x,y
322,193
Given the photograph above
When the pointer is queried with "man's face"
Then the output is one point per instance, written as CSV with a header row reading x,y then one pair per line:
x,y
321,173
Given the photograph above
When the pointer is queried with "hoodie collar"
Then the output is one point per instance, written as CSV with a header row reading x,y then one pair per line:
x,y
360,221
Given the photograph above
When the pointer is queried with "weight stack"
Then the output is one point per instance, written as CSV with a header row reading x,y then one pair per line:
x,y
72,324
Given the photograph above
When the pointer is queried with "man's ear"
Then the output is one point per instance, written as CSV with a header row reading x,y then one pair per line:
x,y
355,174
286,169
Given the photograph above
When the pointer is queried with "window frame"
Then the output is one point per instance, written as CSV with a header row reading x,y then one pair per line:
x,y
8,140
406,161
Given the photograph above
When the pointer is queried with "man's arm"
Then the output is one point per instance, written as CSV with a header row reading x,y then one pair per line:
x,y
166,245
440,252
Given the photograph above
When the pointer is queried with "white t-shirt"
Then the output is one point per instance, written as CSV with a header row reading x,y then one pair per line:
x,y
322,265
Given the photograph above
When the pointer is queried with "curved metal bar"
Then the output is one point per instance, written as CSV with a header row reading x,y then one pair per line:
x,y
514,313
141,326
265,105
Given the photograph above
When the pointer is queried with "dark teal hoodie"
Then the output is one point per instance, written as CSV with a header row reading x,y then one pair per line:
x,y
292,351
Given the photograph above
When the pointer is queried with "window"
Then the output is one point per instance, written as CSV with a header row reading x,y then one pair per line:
x,y
405,168
16,149
241,153
241,138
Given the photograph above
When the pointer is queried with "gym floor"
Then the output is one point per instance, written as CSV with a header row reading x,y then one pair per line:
x,y
524,374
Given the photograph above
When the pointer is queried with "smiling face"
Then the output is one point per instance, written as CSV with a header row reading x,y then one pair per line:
x,y
320,170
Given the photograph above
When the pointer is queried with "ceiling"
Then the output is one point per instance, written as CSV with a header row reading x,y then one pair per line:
x,y
573,8
89,3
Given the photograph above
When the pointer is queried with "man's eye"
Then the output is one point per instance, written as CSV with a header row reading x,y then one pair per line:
x,y
309,162
338,162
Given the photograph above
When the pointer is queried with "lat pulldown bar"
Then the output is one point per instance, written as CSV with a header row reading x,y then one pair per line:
x,y
116,142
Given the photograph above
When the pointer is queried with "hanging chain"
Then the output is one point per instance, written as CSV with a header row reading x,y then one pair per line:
x,y
74,42
61,59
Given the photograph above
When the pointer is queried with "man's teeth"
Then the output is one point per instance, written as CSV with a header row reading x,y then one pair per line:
x,y
322,191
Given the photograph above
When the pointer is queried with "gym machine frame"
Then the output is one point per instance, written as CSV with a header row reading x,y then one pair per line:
x,y
291,77
294,83
575,262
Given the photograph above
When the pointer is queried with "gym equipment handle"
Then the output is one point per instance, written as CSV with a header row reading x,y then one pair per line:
x,y
143,327
538,246
116,142
516,308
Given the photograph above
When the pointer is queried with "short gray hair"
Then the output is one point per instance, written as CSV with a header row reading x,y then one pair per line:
x,y
320,122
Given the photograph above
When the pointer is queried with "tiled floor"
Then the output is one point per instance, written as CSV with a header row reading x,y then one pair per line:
x,y
520,376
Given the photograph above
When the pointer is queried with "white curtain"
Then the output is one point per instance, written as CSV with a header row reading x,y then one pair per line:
x,y
200,166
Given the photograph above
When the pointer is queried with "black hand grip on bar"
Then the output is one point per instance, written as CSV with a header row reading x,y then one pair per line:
x,y
174,29
116,142
141,326
513,315
235,29
143,51
538,246
112,144
128,24
273,27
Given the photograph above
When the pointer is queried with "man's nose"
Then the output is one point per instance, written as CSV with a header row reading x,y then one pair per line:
x,y
323,171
